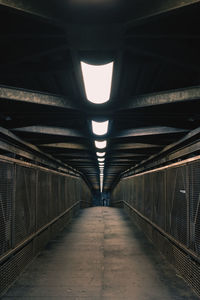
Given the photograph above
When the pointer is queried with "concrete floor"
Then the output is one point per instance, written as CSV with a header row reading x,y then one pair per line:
x,y
100,256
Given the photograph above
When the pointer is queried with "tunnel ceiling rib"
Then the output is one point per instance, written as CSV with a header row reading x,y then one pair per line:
x,y
155,93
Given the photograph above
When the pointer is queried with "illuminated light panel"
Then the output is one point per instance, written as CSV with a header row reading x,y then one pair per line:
x,y
100,128
101,159
100,145
97,81
100,154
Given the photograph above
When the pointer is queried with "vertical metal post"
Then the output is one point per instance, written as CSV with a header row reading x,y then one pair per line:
x,y
13,207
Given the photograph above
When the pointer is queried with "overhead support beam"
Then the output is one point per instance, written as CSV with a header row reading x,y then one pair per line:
x,y
25,96
167,97
64,146
148,131
32,7
155,8
47,130
134,146
162,57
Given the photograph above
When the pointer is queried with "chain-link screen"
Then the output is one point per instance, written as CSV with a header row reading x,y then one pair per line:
x,y
33,199
6,202
170,199
177,204
194,186
44,196
25,203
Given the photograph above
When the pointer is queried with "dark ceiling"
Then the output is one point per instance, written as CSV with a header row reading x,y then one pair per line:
x,y
155,47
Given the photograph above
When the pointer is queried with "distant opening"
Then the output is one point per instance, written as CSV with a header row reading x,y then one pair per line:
x,y
97,82
101,183
100,128
100,145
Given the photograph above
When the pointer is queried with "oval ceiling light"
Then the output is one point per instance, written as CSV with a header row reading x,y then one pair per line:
x,y
101,164
100,154
100,128
101,159
100,144
97,82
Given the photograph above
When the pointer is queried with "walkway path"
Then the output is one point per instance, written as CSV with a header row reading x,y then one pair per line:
x,y
100,256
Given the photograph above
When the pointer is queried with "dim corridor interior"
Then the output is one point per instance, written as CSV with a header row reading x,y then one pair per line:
x,y
100,255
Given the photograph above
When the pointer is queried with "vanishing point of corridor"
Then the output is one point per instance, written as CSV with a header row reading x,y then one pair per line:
x,y
101,255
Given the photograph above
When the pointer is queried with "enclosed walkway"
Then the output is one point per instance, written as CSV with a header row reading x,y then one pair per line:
x,y
101,255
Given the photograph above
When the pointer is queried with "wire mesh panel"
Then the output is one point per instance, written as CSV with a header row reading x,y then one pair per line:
x,y
11,269
177,203
148,195
54,197
61,207
159,195
140,194
25,201
194,186
43,198
6,198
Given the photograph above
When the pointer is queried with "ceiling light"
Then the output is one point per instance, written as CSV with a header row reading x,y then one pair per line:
x,y
97,81
101,159
100,128
100,145
100,154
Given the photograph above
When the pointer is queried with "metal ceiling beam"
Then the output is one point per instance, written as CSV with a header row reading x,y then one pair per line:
x,y
146,131
162,57
64,146
155,8
36,8
134,146
65,132
25,96
167,97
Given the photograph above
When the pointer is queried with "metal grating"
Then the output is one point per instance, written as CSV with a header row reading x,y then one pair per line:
x,y
30,198
6,198
25,201
159,199
177,204
43,198
148,196
194,187
188,268
170,199
11,269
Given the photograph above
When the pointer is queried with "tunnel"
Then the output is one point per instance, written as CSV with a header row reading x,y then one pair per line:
x,y
100,149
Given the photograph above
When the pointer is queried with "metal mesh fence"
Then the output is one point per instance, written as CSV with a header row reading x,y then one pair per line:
x,y
169,201
6,197
35,204
25,203
194,188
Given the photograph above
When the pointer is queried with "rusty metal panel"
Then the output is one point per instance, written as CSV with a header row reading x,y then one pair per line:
x,y
25,201
6,205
